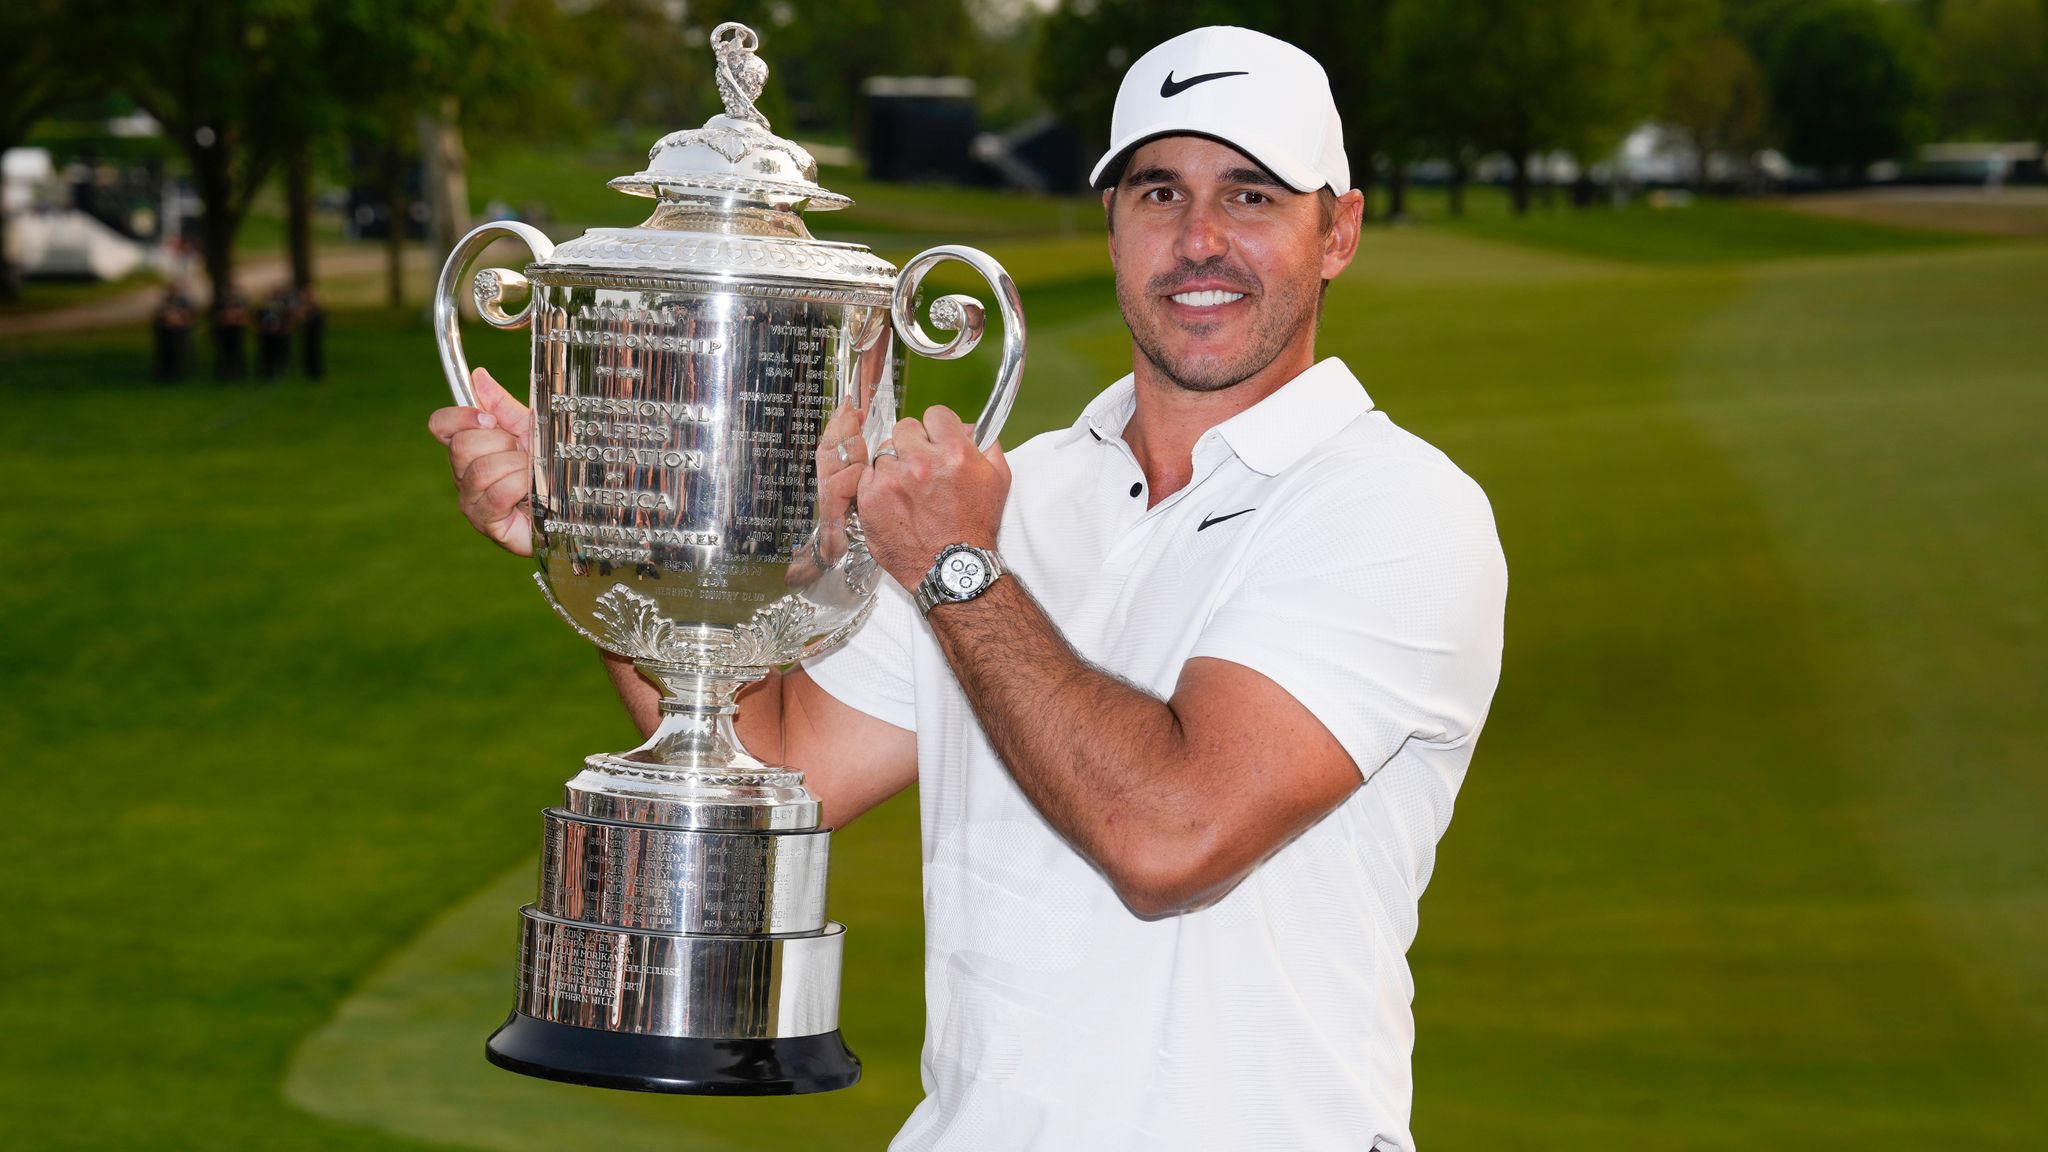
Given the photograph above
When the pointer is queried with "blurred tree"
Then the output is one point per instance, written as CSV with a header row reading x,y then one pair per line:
x,y
1004,58
44,62
393,65
1714,91
211,74
1845,83
1519,78
637,68
300,112
1430,99
1991,68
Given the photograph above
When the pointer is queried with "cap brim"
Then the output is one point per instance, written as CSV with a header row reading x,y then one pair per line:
x,y
1111,166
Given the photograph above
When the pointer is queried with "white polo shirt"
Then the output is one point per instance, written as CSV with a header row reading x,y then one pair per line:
x,y
1323,547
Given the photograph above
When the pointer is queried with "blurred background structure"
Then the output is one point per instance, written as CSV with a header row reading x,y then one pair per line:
x,y
1733,306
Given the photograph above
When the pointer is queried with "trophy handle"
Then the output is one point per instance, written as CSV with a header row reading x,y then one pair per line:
x,y
963,317
488,292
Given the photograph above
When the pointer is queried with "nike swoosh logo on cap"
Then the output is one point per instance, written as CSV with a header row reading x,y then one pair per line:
x,y
1220,519
1172,87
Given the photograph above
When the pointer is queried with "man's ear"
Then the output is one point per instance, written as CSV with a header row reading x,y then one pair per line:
x,y
1341,244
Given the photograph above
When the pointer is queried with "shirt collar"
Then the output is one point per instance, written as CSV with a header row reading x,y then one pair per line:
x,y
1302,413
1105,416
1269,435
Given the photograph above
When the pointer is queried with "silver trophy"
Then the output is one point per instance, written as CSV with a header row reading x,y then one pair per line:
x,y
682,373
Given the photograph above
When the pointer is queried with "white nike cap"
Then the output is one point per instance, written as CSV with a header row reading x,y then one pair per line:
x,y
1262,96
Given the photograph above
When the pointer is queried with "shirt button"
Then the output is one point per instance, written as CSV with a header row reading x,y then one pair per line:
x,y
1138,489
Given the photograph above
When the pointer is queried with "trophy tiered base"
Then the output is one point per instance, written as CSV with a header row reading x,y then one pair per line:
x,y
679,942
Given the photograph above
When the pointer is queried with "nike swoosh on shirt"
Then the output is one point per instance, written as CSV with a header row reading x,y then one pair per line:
x,y
1220,519
1172,87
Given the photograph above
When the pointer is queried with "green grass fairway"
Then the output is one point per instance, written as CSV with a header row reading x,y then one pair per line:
x,y
1754,853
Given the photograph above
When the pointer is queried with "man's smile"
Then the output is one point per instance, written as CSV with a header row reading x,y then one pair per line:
x,y
1211,298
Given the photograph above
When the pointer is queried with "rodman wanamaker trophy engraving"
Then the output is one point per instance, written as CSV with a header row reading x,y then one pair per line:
x,y
682,373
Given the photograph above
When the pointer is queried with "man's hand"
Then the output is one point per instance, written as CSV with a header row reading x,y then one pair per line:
x,y
934,491
490,449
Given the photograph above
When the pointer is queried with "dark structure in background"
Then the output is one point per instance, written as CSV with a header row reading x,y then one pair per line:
x,y
920,129
231,338
1040,155
125,195
171,335
274,335
923,130
368,212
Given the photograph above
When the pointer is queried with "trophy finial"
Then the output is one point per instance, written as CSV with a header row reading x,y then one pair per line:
x,y
734,156
741,74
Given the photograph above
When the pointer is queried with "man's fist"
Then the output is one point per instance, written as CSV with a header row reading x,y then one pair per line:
x,y
490,449
927,488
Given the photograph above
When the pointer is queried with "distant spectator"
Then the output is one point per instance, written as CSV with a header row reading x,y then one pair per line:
x,y
172,328
274,336
312,334
231,338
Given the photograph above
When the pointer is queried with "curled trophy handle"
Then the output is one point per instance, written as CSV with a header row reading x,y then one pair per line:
x,y
488,291
963,317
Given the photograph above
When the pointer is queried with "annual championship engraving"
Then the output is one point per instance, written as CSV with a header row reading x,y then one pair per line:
x,y
682,375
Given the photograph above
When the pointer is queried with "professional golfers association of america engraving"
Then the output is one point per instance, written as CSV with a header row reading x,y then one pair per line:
x,y
682,373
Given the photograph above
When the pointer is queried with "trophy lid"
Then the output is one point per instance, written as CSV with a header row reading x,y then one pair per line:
x,y
734,155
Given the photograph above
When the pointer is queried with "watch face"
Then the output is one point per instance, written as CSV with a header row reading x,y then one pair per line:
x,y
962,574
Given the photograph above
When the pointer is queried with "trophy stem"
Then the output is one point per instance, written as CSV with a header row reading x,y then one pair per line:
x,y
696,732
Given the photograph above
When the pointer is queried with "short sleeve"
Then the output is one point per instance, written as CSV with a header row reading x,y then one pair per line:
x,y
872,671
1376,601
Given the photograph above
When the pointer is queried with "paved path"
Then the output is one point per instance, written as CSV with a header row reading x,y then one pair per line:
x,y
2011,211
258,278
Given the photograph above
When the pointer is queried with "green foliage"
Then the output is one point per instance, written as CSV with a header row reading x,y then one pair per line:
x,y
1847,83
1714,89
42,61
1991,61
1500,75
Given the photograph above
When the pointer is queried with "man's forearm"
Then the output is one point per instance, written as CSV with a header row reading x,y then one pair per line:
x,y
1107,763
642,699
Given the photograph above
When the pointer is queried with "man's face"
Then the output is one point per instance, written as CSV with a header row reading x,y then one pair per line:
x,y
1219,266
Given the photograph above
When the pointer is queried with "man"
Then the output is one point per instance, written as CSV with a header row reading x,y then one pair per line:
x,y
1188,718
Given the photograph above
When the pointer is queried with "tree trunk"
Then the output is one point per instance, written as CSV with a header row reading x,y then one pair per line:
x,y
1455,190
10,277
1519,187
217,224
298,202
10,280
1397,188
394,233
447,179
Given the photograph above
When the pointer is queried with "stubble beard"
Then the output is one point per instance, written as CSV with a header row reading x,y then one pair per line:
x,y
1281,315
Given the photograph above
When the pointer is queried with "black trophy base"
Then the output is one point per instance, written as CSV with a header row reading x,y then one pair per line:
x,y
786,1066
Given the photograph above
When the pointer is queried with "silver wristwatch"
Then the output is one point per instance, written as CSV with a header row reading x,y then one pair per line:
x,y
961,572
